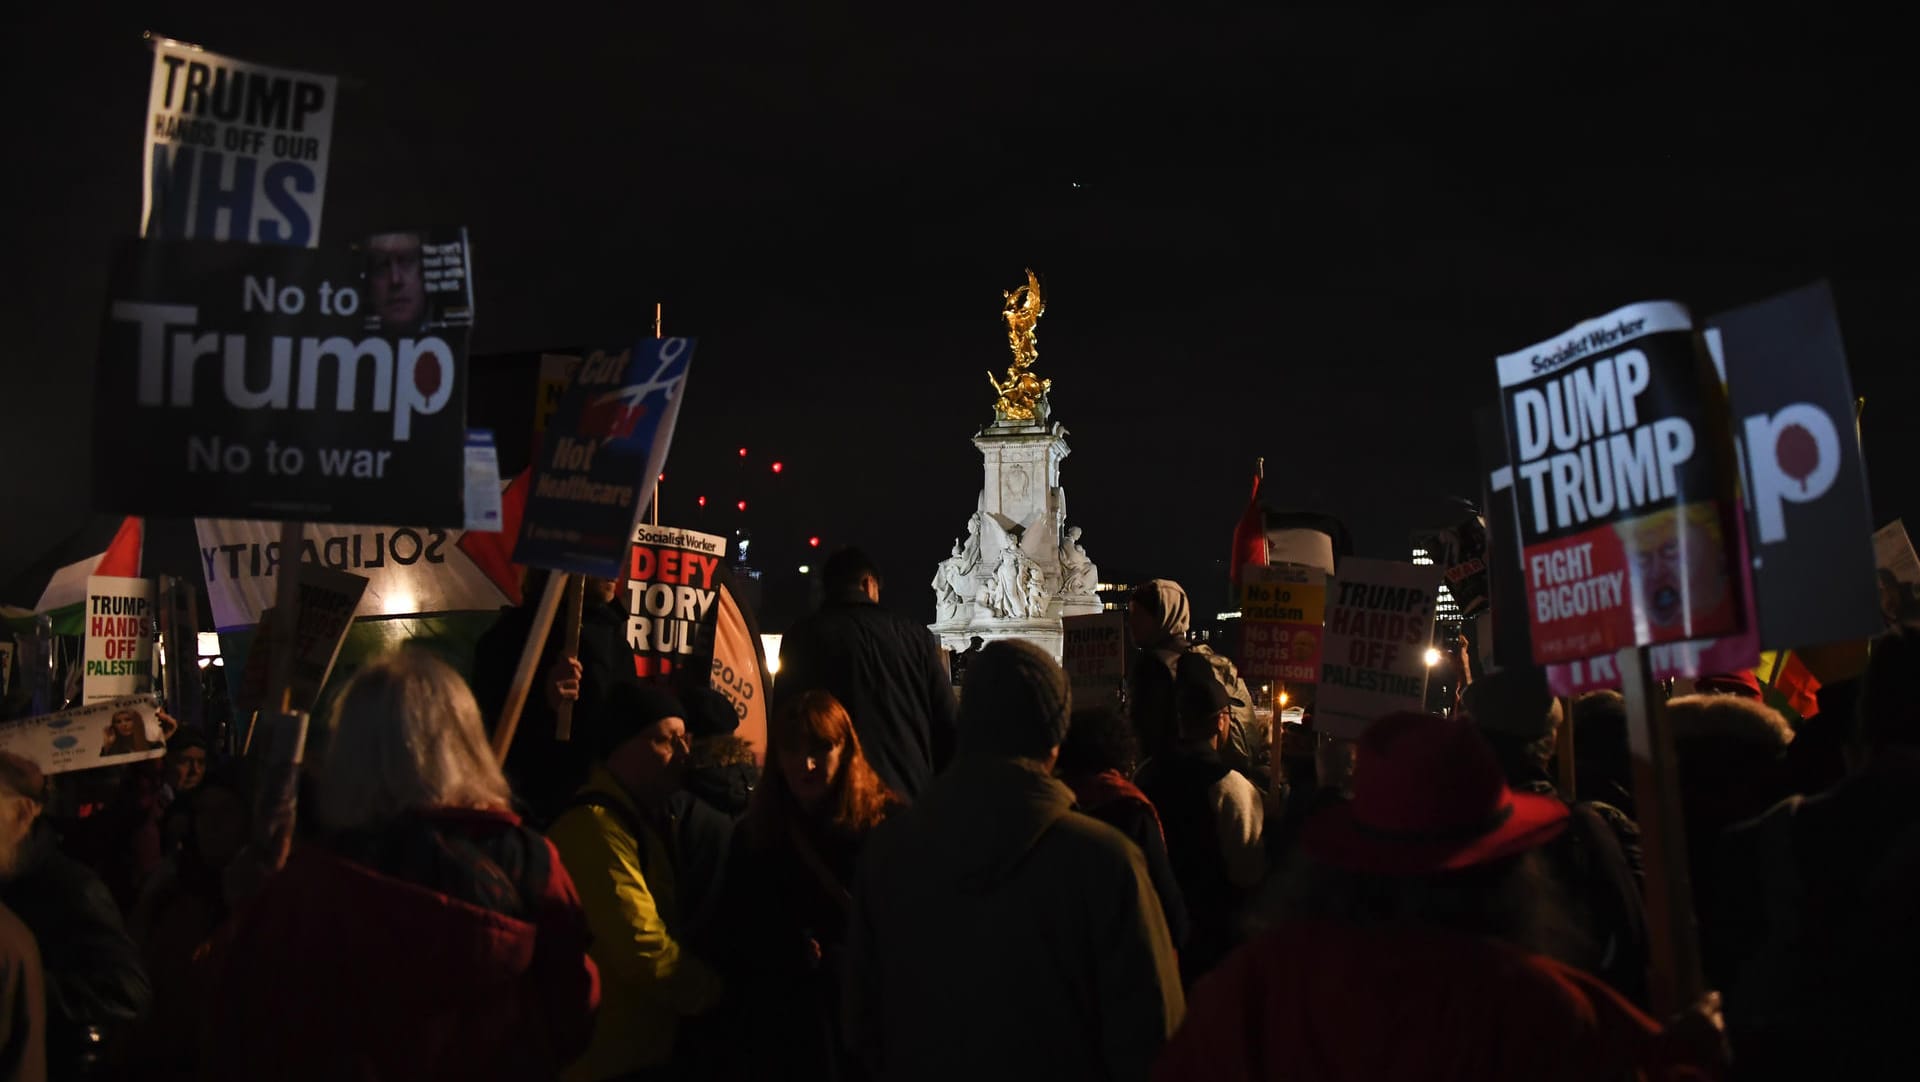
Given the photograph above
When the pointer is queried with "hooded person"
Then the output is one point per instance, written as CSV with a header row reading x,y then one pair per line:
x,y
1158,616
993,924
1405,942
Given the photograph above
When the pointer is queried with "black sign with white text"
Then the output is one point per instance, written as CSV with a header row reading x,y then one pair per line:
x,y
266,382
1809,525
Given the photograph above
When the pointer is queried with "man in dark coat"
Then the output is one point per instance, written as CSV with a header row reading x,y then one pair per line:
x,y
993,926
23,986
884,668
94,979
1818,898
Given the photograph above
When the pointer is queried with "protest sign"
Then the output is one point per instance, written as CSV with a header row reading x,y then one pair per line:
x,y
740,669
1808,520
556,372
605,445
671,586
1898,570
324,609
1379,625
234,150
119,649
1094,652
1622,480
107,733
1674,660
1282,610
258,382
1508,632
407,569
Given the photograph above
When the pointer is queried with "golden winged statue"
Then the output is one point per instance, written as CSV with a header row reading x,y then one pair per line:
x,y
1022,393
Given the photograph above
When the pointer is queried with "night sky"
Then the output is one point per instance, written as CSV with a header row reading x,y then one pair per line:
x,y
1292,234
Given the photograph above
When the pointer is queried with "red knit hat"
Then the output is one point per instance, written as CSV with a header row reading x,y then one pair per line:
x,y
1429,796
1742,683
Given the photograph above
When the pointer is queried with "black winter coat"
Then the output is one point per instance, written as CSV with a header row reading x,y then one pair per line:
x,y
94,978
887,671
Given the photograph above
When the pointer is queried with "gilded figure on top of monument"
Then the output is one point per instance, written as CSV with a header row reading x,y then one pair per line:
x,y
1022,394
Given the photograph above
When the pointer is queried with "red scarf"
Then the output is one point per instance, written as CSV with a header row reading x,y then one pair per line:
x,y
1093,791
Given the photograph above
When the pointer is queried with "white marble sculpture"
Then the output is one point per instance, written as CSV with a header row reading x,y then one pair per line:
x,y
1079,576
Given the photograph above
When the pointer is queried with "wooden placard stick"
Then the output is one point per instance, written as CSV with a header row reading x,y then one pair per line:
x,y
1674,978
575,604
524,673
1563,750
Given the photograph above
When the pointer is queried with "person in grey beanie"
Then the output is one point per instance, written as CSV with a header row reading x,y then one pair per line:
x,y
992,923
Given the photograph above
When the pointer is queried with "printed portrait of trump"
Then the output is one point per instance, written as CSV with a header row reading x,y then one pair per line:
x,y
1677,567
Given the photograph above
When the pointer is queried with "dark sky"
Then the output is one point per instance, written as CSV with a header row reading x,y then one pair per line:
x,y
1303,235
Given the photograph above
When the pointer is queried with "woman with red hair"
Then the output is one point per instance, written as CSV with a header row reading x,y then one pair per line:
x,y
779,929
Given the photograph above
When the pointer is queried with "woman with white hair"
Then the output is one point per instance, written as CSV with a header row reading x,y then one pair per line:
x,y
426,933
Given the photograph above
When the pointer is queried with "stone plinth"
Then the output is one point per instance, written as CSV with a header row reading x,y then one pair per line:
x,y
1019,569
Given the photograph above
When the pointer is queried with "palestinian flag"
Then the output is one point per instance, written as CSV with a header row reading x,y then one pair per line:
x,y
65,597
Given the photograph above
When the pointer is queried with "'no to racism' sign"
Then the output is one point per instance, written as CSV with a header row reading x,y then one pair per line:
x,y
1622,486
243,381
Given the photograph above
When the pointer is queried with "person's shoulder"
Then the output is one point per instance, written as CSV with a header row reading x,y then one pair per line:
x,y
1093,840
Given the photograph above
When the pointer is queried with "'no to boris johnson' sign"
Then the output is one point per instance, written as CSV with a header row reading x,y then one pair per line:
x,y
284,383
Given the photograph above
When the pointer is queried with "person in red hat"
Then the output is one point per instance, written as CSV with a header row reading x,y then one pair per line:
x,y
1409,943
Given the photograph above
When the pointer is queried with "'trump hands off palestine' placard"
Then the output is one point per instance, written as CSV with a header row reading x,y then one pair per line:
x,y
605,446
1379,624
119,637
1621,482
243,381
235,151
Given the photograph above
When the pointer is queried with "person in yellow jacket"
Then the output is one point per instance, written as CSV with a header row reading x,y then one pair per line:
x,y
614,838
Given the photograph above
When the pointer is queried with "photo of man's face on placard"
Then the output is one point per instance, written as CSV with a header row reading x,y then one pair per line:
x,y
1678,565
398,290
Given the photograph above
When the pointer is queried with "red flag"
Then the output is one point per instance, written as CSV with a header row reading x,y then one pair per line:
x,y
122,557
492,552
1250,536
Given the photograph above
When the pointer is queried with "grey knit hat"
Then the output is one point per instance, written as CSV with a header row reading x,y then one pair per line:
x,y
1015,702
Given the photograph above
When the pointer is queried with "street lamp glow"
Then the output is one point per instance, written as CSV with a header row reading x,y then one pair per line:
x,y
804,569
1433,657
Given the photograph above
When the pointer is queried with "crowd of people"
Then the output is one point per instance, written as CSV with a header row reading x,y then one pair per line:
x,y
919,883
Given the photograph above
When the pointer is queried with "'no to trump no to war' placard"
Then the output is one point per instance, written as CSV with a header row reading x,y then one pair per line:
x,y
119,651
604,446
234,151
1622,479
1379,624
326,385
